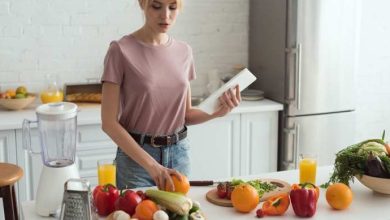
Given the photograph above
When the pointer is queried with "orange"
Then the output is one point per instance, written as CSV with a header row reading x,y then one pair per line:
x,y
245,198
339,196
11,92
182,186
145,210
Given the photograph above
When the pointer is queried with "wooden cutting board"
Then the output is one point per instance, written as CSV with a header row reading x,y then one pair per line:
x,y
282,187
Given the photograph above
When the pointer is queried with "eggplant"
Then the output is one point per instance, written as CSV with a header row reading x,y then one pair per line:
x,y
374,166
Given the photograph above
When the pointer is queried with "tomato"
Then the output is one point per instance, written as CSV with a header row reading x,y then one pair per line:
x,y
104,198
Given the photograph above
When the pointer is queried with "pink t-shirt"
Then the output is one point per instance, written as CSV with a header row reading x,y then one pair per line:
x,y
153,80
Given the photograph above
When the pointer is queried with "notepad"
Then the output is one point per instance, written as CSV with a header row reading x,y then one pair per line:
x,y
243,79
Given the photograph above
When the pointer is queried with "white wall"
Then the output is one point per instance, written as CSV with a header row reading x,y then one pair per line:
x,y
373,75
71,37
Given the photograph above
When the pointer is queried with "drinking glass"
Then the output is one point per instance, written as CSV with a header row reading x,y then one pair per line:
x,y
107,172
307,168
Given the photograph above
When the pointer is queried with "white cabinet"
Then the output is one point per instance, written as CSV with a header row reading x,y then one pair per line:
x,y
92,144
241,143
214,148
259,142
238,144
7,146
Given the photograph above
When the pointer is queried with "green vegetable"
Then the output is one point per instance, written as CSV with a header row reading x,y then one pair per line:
x,y
351,161
376,147
261,187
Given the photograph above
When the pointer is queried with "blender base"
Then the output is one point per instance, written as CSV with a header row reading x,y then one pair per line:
x,y
51,188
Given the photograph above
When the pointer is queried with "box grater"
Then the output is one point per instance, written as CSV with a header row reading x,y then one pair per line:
x,y
76,202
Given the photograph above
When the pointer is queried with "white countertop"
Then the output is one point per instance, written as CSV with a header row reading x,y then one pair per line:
x,y
366,204
90,113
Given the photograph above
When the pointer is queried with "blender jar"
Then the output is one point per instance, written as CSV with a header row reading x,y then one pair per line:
x,y
57,126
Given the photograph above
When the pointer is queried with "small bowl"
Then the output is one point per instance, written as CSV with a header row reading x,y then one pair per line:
x,y
17,104
380,185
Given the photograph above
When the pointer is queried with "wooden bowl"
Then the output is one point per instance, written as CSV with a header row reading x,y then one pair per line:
x,y
17,104
381,185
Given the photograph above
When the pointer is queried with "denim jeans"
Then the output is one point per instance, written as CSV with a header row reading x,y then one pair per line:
x,y
129,174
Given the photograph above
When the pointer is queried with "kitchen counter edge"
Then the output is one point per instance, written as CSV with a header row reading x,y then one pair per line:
x,y
90,113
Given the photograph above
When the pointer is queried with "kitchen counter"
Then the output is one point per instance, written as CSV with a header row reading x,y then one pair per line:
x,y
90,113
366,204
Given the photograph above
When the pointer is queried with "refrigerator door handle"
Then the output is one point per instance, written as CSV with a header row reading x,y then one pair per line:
x,y
295,71
290,163
298,66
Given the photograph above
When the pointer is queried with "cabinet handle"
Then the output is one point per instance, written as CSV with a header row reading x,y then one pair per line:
x,y
26,136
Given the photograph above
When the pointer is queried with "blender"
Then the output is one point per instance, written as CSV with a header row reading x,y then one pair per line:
x,y
57,129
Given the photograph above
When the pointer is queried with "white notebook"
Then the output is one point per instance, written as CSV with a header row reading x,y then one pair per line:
x,y
243,79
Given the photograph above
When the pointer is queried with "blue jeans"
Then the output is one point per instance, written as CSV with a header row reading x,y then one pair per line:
x,y
129,174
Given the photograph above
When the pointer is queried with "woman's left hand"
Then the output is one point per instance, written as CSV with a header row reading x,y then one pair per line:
x,y
228,100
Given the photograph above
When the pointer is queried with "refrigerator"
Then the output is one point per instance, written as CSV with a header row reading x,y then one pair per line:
x,y
304,53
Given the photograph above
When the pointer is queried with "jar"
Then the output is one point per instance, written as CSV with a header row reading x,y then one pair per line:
x,y
52,92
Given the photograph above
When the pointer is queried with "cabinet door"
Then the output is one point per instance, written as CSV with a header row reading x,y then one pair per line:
x,y
7,146
92,145
215,148
7,154
259,137
31,165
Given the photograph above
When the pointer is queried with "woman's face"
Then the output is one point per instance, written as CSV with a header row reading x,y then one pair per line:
x,y
160,15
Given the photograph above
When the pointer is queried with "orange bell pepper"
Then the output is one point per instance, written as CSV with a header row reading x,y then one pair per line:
x,y
276,205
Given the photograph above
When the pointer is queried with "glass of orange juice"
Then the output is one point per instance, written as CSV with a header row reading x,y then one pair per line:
x,y
307,168
106,172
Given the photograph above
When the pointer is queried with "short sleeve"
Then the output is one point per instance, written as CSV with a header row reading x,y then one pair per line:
x,y
113,65
191,69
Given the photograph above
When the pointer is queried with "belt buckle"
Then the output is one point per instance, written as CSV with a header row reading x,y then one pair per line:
x,y
152,142
169,140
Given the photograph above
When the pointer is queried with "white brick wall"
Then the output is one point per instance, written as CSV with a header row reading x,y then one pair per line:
x,y
71,37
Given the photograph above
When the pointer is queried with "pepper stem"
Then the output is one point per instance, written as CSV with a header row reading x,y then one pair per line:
x,y
304,185
277,202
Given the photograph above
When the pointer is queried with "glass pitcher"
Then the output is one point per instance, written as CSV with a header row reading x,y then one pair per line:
x,y
52,92
57,127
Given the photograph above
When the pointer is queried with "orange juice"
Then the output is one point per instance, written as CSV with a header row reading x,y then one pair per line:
x,y
107,174
52,96
307,170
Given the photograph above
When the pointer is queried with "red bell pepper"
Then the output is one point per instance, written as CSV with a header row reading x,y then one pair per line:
x,y
104,198
304,199
128,201
276,205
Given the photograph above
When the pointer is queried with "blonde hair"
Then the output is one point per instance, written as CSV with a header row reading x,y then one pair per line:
x,y
145,3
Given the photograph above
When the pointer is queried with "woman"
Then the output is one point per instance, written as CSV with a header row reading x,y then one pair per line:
x,y
147,100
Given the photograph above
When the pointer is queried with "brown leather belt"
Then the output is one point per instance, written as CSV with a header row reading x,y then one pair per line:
x,y
157,141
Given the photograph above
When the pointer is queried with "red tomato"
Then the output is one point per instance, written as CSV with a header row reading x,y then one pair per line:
x,y
104,198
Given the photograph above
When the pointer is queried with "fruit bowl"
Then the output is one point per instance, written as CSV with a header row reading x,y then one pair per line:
x,y
381,185
17,104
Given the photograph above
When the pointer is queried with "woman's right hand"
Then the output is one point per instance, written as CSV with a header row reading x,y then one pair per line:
x,y
162,176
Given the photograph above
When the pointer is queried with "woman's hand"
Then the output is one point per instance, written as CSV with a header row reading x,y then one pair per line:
x,y
162,177
228,100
